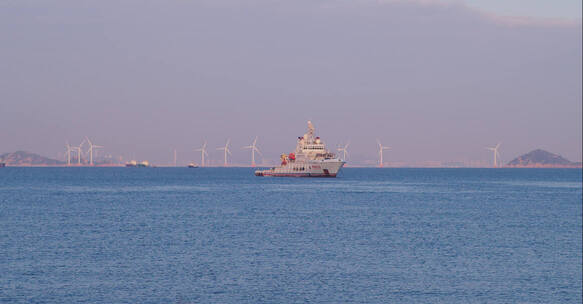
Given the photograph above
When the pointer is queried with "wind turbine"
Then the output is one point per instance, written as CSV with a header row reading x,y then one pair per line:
x,y
226,149
254,149
78,149
381,149
69,148
91,147
202,153
496,154
174,157
344,151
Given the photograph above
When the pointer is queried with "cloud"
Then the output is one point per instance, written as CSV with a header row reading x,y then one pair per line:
x,y
493,17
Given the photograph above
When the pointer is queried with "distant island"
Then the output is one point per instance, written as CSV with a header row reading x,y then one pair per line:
x,y
542,159
26,159
23,158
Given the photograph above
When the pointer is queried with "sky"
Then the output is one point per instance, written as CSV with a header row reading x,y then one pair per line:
x,y
435,80
561,9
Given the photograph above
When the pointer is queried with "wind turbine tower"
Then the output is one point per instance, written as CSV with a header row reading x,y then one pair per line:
x,y
344,151
496,154
226,149
381,149
69,148
202,153
78,149
174,157
254,149
91,147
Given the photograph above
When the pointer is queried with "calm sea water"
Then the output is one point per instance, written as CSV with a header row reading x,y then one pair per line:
x,y
212,235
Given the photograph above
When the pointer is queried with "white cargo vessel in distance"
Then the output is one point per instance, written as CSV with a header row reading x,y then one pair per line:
x,y
135,164
311,159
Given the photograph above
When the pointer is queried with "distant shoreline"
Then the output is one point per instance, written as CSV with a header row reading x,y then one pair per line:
x,y
350,167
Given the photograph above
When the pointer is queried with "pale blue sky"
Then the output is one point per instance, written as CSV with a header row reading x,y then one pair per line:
x,y
570,9
434,81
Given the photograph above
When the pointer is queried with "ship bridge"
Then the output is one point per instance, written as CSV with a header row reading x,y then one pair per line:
x,y
312,146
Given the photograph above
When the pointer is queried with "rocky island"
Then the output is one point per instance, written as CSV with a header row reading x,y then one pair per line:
x,y
542,159
23,158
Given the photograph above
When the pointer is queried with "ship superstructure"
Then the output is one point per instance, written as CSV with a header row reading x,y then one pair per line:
x,y
310,159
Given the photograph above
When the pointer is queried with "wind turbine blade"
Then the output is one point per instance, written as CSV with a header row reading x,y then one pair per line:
x,y
257,150
498,145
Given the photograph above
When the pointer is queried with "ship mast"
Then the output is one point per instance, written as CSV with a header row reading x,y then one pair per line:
x,y
311,130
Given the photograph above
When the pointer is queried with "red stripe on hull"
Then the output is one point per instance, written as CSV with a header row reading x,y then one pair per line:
x,y
297,175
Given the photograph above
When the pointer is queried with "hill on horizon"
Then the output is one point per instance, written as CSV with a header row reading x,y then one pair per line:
x,y
23,158
541,158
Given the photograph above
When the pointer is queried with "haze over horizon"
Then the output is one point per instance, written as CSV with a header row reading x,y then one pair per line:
x,y
435,80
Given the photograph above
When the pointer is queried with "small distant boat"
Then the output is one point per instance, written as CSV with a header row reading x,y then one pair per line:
x,y
135,164
192,165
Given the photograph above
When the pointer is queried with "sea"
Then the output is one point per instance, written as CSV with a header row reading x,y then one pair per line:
x,y
223,235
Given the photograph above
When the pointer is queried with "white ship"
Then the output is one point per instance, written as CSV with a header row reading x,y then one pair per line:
x,y
311,159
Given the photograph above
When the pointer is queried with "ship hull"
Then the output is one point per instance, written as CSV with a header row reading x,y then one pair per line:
x,y
294,174
324,168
